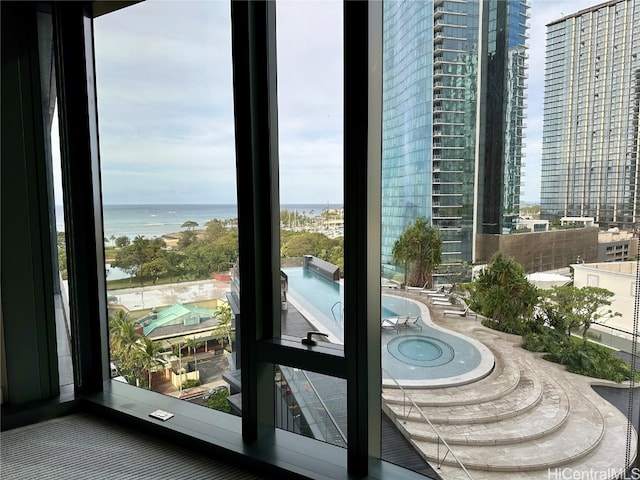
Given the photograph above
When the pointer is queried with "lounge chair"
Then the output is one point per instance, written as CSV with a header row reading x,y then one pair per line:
x,y
441,303
461,313
418,289
436,295
413,322
402,322
389,323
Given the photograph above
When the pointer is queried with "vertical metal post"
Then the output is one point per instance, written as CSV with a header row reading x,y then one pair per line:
x,y
362,168
75,76
255,105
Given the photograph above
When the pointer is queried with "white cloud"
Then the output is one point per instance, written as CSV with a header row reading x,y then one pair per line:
x,y
166,108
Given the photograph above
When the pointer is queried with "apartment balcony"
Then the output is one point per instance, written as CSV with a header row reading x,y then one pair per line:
x,y
441,23
438,48
442,36
442,96
440,85
446,171
442,109
437,120
437,181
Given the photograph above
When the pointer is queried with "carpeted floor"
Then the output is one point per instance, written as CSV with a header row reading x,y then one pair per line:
x,y
85,447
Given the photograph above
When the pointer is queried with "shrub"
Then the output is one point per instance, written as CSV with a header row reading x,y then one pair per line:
x,y
592,361
218,401
190,383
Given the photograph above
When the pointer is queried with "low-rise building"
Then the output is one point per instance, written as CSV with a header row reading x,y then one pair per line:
x,y
541,251
619,278
616,246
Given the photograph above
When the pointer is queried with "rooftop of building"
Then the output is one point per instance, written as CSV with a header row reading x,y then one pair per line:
x,y
626,268
585,10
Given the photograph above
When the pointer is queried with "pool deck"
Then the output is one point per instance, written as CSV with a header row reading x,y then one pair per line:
x,y
528,419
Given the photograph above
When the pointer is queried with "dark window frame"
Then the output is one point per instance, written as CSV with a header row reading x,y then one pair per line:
x,y
253,31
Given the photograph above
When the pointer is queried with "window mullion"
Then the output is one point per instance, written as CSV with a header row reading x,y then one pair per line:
x,y
362,167
255,104
73,33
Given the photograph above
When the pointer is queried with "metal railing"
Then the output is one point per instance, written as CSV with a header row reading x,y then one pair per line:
x,y
407,402
340,312
321,422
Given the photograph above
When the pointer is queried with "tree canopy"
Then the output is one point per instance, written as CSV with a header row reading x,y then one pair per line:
x,y
567,307
503,293
419,250
189,225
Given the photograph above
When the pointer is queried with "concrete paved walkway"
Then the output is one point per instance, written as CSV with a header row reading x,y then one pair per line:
x,y
528,419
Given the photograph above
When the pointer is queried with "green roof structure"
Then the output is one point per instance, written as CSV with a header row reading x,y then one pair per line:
x,y
176,314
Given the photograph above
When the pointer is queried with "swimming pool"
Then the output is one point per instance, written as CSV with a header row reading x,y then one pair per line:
x,y
417,357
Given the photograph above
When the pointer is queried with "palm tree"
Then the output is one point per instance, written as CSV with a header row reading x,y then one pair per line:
x,y
224,314
192,344
124,341
419,249
149,353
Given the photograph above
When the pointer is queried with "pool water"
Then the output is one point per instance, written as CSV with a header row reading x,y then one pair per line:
x,y
429,356
420,350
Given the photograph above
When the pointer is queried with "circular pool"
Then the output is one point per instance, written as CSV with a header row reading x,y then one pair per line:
x,y
420,350
427,355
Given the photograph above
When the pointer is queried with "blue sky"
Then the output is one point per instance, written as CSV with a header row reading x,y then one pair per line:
x,y
166,110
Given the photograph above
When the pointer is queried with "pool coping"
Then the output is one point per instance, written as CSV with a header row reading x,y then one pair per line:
x,y
484,368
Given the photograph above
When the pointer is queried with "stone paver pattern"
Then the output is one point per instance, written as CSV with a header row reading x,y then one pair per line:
x,y
528,419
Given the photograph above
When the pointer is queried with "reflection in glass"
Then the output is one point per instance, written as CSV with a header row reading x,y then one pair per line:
x,y
311,404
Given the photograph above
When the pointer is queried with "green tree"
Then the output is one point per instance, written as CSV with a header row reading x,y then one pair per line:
x,y
215,229
122,241
154,269
187,239
189,225
123,340
192,344
568,307
149,351
173,264
503,293
223,331
305,243
419,250
62,254
141,251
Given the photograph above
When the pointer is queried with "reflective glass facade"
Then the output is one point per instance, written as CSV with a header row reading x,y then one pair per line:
x,y
504,84
590,133
434,147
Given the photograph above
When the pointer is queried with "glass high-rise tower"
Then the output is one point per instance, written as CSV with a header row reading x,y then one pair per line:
x,y
453,112
591,99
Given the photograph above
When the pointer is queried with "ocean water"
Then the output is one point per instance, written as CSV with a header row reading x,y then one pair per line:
x,y
156,220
